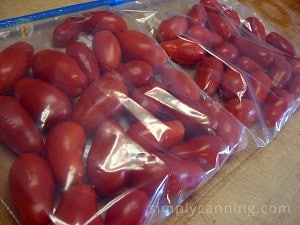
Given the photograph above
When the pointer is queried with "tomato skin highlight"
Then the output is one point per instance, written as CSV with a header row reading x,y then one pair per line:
x,y
85,59
17,129
101,101
14,64
59,70
132,209
280,73
64,149
78,205
136,45
31,186
261,85
257,27
46,104
197,16
106,162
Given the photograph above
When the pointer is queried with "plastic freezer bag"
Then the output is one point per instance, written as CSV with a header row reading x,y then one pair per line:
x,y
98,126
234,55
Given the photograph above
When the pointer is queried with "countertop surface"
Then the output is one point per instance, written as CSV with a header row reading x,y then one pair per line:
x,y
255,186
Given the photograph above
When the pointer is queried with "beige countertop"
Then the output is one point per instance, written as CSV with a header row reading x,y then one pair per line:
x,y
256,186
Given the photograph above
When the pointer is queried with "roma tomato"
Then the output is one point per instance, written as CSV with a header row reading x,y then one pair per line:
x,y
107,168
17,129
136,45
183,51
247,64
137,73
66,31
170,29
208,150
243,109
85,59
275,106
294,85
77,205
220,25
209,74
31,185
261,85
50,105
227,51
257,27
64,149
205,36
212,5
103,20
60,70
233,85
255,51
107,50
281,43
295,66
14,64
196,16
102,100
232,15
180,85
133,208
280,73
157,135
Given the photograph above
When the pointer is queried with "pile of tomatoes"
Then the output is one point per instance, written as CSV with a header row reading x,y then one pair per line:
x,y
102,132
255,74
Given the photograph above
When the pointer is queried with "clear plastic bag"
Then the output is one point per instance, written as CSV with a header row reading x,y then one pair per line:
x,y
234,55
113,143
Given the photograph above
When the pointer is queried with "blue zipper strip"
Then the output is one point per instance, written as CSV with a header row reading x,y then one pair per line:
x,y
58,12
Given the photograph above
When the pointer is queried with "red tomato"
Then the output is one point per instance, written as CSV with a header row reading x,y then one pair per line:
x,y
180,85
260,86
104,20
197,16
280,73
233,85
31,186
66,31
295,66
255,51
227,51
247,64
281,43
243,109
212,5
60,70
183,51
294,85
102,100
14,64
64,149
156,135
232,15
257,27
209,74
85,59
144,99
170,29
137,45
49,107
205,36
275,106
77,205
137,73
107,161
17,129
107,50
208,150
220,25
229,129
133,208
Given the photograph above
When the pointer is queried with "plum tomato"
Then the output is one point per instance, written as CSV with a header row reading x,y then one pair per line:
x,y
243,109
256,27
205,36
196,16
17,129
294,85
281,43
14,64
261,85
247,64
220,25
227,51
31,185
295,66
280,73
